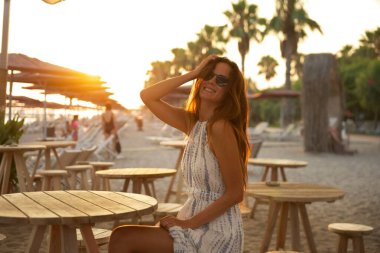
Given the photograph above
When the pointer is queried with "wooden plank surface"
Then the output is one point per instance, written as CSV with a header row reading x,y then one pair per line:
x,y
10,214
95,213
109,204
68,214
36,213
142,204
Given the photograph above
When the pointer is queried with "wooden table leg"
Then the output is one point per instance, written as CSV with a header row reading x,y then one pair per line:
x,y
23,176
282,170
265,174
307,227
271,223
6,171
170,191
281,236
137,183
126,185
294,227
146,187
69,239
58,160
35,239
106,184
47,159
274,174
55,243
358,244
88,238
177,176
35,167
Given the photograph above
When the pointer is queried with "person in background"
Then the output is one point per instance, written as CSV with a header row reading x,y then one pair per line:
x,y
75,128
214,164
108,121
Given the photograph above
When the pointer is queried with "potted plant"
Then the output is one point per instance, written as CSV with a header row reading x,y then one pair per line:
x,y
10,134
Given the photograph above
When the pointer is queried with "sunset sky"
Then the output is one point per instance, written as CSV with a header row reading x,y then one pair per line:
x,y
118,39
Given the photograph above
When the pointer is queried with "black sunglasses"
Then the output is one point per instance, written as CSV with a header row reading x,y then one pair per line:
x,y
220,80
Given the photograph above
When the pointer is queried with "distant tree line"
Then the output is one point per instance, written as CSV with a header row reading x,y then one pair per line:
x,y
289,24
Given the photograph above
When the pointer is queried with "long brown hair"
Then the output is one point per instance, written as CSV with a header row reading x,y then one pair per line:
x,y
233,108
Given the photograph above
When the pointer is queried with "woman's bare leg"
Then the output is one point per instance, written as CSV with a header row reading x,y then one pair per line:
x,y
140,239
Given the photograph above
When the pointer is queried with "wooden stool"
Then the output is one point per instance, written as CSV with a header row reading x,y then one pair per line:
x,y
348,231
52,179
81,172
164,209
102,237
98,166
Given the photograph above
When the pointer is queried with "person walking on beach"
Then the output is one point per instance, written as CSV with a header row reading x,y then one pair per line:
x,y
75,128
214,164
108,122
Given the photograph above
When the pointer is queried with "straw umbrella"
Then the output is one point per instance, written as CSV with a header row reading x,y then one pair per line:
x,y
4,56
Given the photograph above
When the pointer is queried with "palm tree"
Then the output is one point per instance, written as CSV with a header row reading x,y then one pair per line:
x,y
211,40
161,70
371,41
245,25
289,24
181,60
268,66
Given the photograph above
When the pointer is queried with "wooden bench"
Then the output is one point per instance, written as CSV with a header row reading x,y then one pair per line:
x,y
352,231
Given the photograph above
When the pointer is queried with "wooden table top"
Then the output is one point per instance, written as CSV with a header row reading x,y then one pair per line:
x,y
21,147
53,144
174,143
100,163
277,162
294,192
136,173
72,207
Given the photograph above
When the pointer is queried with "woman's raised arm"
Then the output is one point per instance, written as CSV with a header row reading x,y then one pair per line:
x,y
173,116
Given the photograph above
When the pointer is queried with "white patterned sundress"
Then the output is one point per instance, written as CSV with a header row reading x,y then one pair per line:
x,y
203,179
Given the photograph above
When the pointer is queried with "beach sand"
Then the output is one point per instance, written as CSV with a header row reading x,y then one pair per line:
x,y
358,175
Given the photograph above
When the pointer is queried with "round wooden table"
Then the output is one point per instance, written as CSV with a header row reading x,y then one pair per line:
x,y
64,211
275,165
289,200
179,144
138,176
15,152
